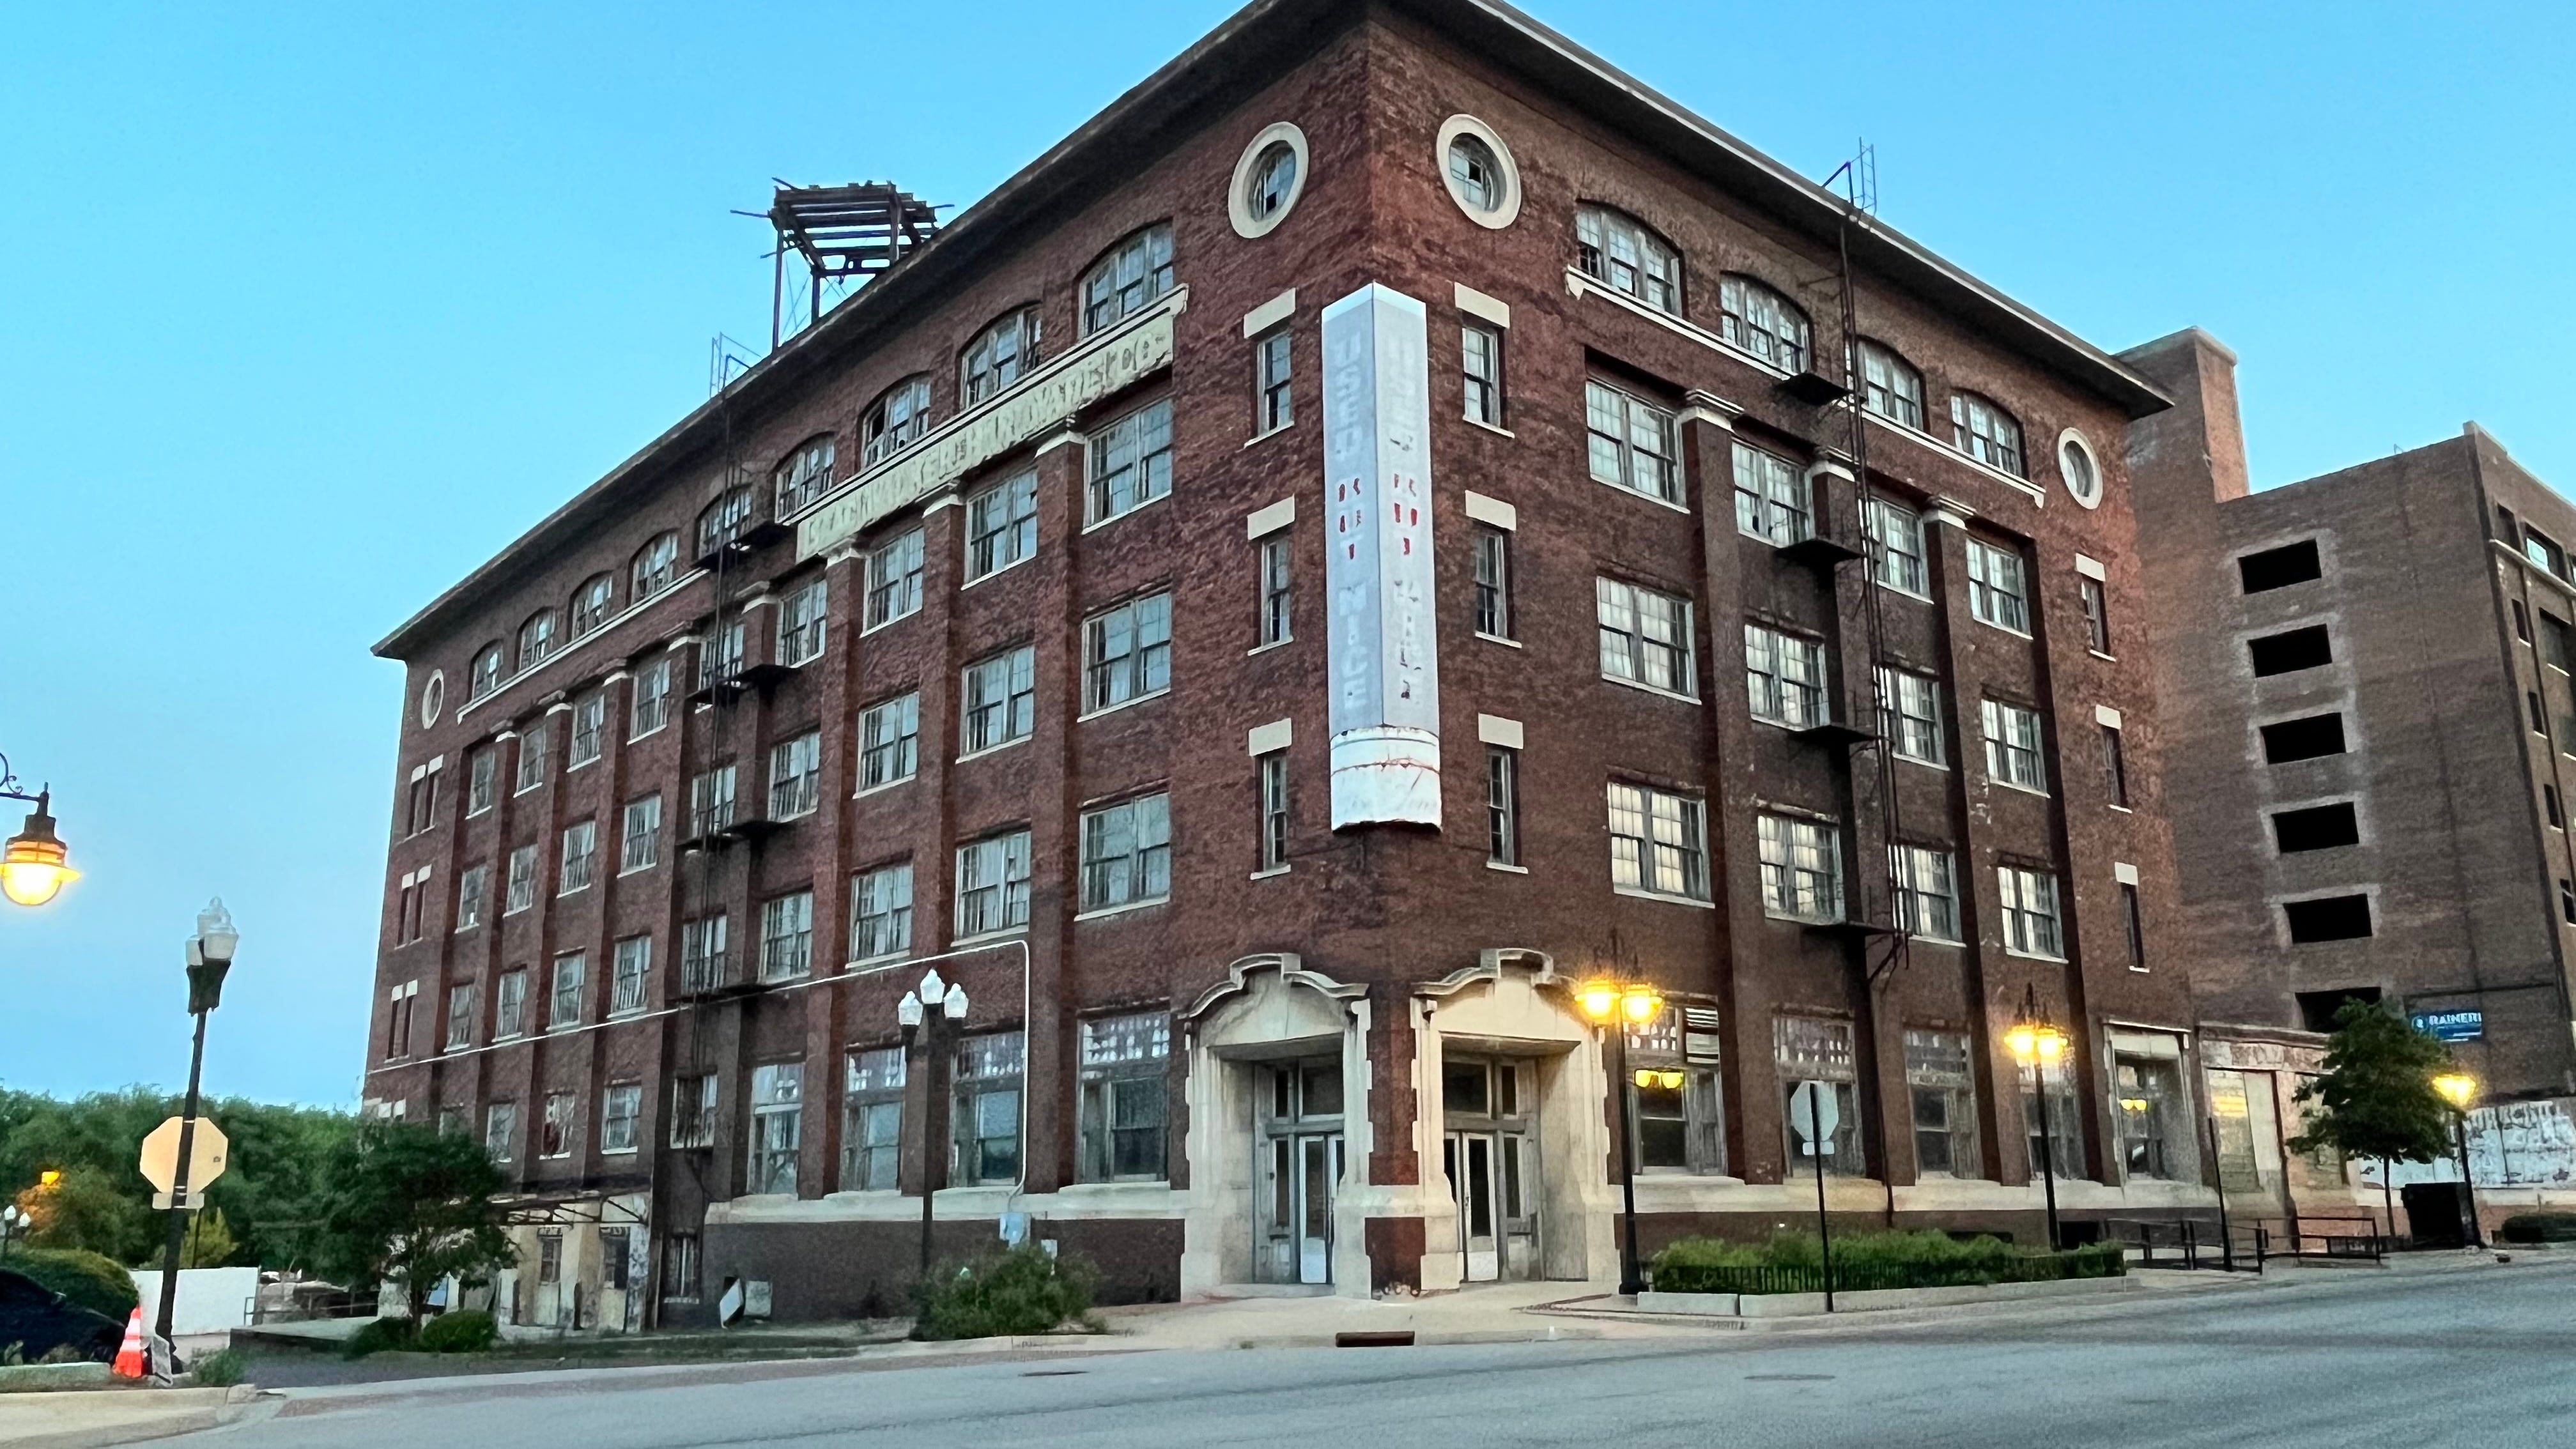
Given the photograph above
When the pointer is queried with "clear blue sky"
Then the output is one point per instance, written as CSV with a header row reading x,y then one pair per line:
x,y
306,310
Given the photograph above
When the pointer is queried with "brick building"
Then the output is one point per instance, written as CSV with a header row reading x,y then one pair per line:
x,y
1364,535
2372,736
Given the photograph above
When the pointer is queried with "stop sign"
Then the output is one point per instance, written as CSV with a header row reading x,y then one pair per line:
x,y
206,1149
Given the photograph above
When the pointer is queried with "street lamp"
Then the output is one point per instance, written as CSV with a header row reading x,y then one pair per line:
x,y
210,955
34,865
2038,1045
1615,1008
2460,1089
13,1221
919,1014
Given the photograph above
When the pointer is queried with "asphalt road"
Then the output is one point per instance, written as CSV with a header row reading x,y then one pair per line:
x,y
2480,1359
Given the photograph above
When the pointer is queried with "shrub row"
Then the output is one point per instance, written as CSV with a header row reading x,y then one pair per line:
x,y
1793,1262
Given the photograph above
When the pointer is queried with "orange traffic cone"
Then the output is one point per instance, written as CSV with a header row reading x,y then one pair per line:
x,y
129,1358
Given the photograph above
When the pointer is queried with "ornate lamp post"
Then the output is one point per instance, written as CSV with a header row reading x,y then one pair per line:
x,y
210,955
13,1221
920,1014
2038,1044
34,865
1615,1008
2460,1089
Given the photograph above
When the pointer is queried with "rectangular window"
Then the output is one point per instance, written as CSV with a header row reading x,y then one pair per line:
x,y
693,1111
580,848
461,1001
1127,853
993,884
1493,582
801,621
2521,621
787,936
2290,651
1274,810
984,1115
2556,649
1679,1127
2097,614
2309,738
2115,766
523,881
890,741
1657,843
1909,716
1001,700
2065,1144
1802,868
872,1119
631,975
1127,652
1889,387
2544,551
1811,1049
1927,892
1770,497
589,723
501,1132
620,1108
1784,678
720,655
473,887
1131,460
2012,746
652,701
532,759
1270,400
2134,921
482,772
1001,526
881,912
2279,568
777,1127
1998,591
1481,359
796,776
411,909
555,1140
2154,1116
1632,443
711,802
563,1002
1502,805
642,849
1895,545
510,1005
2030,912
706,953
2318,827
1645,637
421,809
1275,616
1943,1085
1125,1070
894,579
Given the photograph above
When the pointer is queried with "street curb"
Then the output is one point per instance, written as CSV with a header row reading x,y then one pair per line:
x,y
234,1405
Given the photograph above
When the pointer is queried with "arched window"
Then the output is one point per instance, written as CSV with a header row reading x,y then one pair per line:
x,y
999,356
803,475
485,676
1622,253
1986,433
897,420
536,638
592,602
1131,276
657,566
725,520
1762,322
1890,386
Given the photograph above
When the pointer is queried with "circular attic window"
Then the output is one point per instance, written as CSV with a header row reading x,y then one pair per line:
x,y
2081,470
1268,179
1477,168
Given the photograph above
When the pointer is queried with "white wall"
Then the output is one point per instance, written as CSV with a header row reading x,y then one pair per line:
x,y
211,1300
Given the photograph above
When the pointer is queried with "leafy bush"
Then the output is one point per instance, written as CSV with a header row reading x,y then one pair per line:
x,y
2538,1228
383,1335
220,1369
464,1331
1794,1262
97,1283
1019,1290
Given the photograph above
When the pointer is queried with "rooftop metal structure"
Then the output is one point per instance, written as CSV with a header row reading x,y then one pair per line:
x,y
845,234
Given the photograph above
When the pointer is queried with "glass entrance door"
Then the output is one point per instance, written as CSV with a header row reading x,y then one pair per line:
x,y
1300,1146
1491,1154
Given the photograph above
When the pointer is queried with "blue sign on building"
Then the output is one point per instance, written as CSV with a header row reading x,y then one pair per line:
x,y
2452,1025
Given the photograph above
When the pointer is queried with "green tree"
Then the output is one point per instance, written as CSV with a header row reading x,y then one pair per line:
x,y
209,1242
87,1211
2375,1097
410,1205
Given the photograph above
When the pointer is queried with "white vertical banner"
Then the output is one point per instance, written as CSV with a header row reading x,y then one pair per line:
x,y
1384,664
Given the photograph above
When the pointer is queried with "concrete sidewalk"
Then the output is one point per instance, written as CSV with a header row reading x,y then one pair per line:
x,y
87,1419
1486,1313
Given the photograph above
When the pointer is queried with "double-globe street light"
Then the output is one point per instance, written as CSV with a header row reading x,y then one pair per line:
x,y
2039,1045
922,1013
35,864
1616,1007
2460,1089
210,955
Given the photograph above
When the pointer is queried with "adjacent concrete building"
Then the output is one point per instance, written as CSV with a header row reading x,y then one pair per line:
x,y
1366,534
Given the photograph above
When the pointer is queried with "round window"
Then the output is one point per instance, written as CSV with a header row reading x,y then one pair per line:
x,y
1268,179
1477,168
2077,465
433,698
